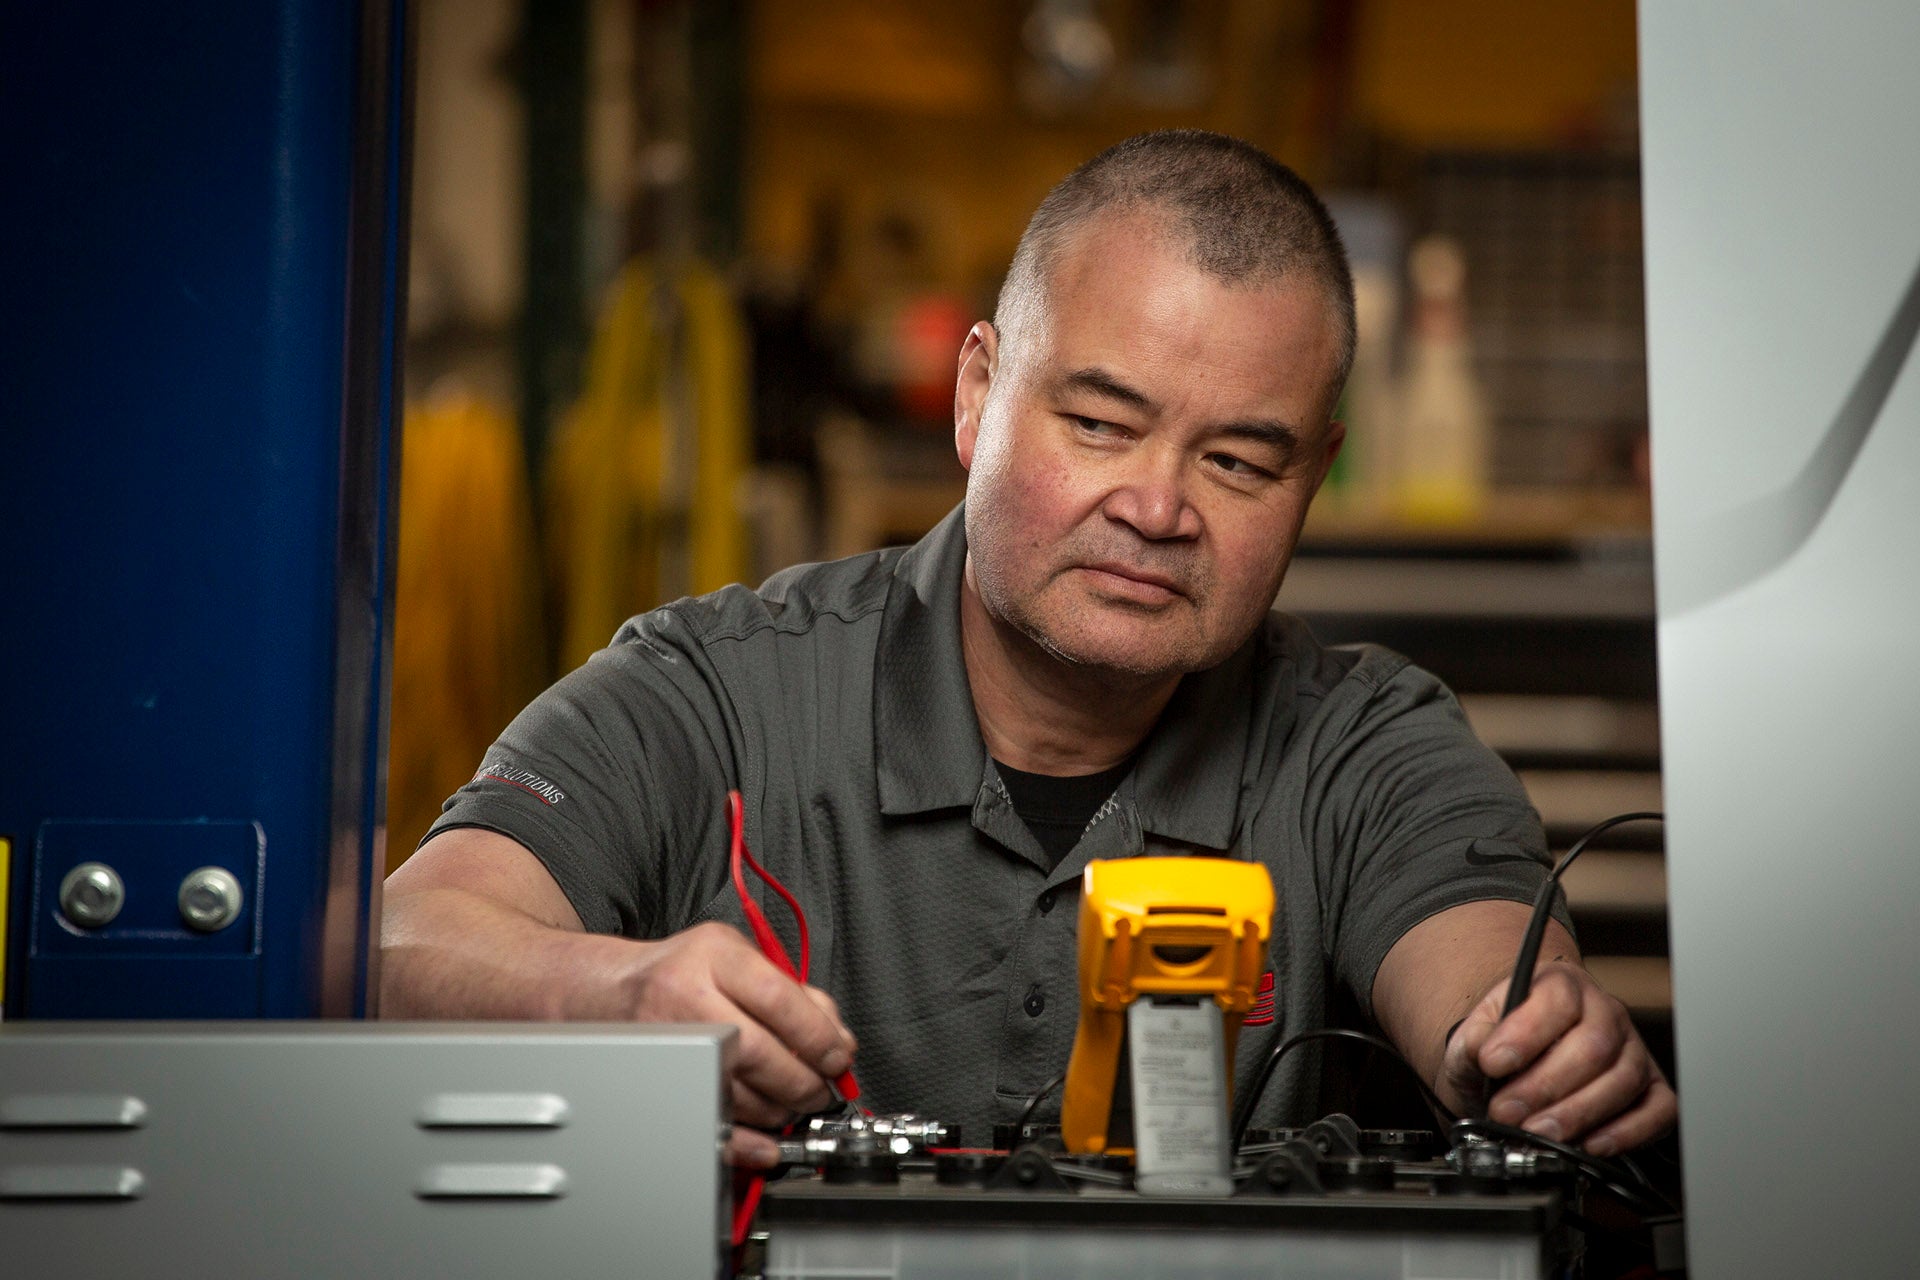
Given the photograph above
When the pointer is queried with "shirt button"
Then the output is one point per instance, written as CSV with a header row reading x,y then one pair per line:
x,y
1036,1002
1046,902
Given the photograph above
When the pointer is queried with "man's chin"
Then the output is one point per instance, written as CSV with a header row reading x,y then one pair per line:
x,y
1123,652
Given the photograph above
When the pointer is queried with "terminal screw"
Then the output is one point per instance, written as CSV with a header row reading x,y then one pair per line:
x,y
210,899
92,895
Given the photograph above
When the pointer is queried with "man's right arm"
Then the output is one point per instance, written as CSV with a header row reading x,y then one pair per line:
x,y
475,927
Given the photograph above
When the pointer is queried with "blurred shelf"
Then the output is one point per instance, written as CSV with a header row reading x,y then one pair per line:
x,y
1572,732
1547,516
1643,983
1360,587
883,487
1617,881
1572,800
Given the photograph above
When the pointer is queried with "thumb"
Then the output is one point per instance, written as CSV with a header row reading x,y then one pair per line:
x,y
829,1006
1463,1084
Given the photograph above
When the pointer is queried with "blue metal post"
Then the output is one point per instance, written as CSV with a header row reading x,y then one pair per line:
x,y
203,257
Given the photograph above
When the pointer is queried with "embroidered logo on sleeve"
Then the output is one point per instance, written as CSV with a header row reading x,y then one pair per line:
x,y
525,779
1262,1012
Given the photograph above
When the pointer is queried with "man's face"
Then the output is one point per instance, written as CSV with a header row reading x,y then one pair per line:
x,y
1141,454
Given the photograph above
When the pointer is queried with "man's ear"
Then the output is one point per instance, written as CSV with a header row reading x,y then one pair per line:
x,y
1329,450
979,358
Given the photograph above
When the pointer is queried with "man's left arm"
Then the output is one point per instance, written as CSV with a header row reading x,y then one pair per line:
x,y
1567,1064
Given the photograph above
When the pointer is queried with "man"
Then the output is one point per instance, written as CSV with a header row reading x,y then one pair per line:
x,y
1079,663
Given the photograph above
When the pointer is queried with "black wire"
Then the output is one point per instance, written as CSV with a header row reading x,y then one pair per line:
x,y
1033,1104
1609,1175
1102,1177
1243,1111
1641,1178
1522,981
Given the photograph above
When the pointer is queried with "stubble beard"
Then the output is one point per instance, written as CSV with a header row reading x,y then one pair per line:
x,y
1061,629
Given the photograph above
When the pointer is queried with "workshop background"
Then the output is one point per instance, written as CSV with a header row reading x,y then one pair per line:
x,y
689,280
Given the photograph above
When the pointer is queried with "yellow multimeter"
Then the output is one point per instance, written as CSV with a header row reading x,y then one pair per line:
x,y
1171,931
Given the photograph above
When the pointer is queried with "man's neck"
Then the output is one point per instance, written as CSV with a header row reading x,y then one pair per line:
x,y
1042,715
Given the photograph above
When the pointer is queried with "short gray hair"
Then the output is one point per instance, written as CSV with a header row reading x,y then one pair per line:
x,y
1244,217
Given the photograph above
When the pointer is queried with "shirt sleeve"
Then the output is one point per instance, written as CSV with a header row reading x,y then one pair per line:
x,y
1414,815
615,778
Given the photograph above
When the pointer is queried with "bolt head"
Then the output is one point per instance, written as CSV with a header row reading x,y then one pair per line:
x,y
92,894
210,899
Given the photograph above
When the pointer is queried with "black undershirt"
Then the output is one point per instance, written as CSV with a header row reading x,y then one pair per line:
x,y
1058,809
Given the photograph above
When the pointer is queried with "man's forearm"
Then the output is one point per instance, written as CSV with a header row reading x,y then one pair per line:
x,y
449,953
1566,1064
1436,973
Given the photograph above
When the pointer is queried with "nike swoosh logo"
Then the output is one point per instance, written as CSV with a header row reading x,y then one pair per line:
x,y
1476,858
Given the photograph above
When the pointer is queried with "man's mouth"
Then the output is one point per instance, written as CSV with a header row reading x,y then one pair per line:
x,y
1131,582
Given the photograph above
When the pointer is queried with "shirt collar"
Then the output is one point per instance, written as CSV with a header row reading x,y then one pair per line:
x,y
926,740
927,748
1187,784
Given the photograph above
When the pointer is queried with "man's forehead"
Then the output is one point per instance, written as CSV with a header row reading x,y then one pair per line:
x,y
1110,319
1137,258
1145,233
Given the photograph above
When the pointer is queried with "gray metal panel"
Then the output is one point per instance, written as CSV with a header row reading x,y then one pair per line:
x,y
1782,182
363,1149
1060,1252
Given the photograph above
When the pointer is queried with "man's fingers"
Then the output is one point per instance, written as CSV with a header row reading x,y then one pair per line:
x,y
770,1068
785,1009
831,1008
1607,1089
1655,1114
752,1149
694,983
1460,1062
1565,1069
1568,1062
750,1106
1555,1088
764,1063
1552,1007
791,1042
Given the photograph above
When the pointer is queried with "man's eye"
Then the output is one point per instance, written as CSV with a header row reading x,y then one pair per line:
x,y
1093,426
1238,466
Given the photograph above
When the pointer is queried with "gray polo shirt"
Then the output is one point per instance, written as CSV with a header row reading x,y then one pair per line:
x,y
836,700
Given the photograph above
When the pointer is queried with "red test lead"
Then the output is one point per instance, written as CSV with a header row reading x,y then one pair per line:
x,y
747,1190
763,933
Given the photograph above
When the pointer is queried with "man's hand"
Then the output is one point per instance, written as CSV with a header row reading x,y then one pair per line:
x,y
474,927
792,1041
1566,1065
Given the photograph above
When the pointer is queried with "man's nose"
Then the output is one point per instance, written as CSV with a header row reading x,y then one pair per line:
x,y
1151,496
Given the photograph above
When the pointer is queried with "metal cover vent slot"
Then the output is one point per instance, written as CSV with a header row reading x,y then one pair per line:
x,y
494,1111
492,1182
71,1182
72,1111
